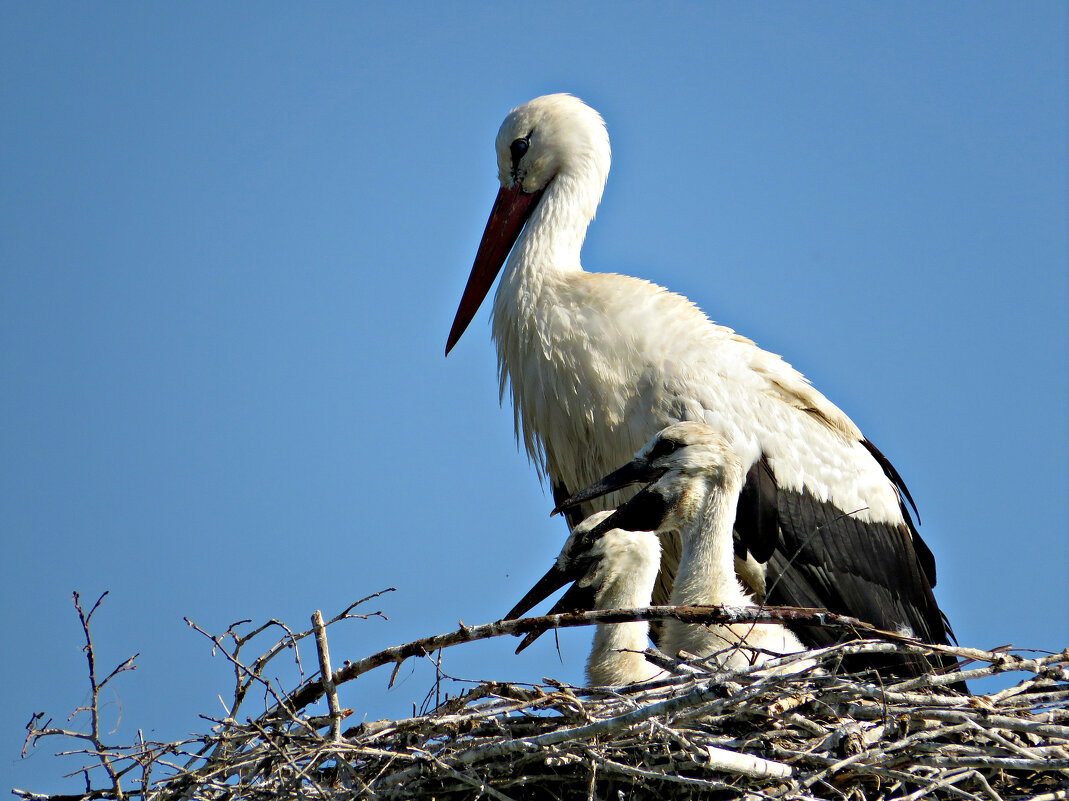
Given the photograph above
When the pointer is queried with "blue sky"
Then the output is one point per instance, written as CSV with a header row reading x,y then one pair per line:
x,y
232,241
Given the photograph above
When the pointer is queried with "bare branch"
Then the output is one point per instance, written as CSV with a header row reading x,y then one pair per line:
x,y
310,693
326,676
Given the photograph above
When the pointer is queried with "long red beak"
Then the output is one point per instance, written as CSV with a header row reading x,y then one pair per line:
x,y
511,210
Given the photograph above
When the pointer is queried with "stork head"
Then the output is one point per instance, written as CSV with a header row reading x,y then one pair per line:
x,y
618,556
551,138
596,559
679,467
572,563
550,135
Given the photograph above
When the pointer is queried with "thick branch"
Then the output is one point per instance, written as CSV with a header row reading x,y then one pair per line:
x,y
312,692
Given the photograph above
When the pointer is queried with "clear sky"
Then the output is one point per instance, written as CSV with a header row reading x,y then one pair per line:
x,y
232,240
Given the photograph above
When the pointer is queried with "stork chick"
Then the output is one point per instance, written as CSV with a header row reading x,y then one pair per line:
x,y
614,569
695,477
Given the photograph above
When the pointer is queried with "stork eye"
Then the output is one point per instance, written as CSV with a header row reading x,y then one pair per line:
x,y
518,148
663,448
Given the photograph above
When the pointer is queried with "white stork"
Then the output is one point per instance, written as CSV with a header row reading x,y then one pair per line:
x,y
597,363
612,568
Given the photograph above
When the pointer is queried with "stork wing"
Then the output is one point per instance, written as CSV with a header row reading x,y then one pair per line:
x,y
878,572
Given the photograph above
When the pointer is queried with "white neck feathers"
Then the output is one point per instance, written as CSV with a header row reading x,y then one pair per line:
x,y
627,574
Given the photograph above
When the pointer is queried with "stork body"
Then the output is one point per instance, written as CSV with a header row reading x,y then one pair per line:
x,y
695,477
597,363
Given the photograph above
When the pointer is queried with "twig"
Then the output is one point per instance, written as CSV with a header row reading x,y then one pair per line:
x,y
326,676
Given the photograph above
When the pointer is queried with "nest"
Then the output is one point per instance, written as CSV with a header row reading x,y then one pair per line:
x,y
798,727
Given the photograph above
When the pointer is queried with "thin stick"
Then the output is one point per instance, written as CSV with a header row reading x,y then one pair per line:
x,y
327,676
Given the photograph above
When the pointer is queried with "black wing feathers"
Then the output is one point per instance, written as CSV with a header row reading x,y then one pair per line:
x,y
890,471
924,553
866,569
878,572
757,515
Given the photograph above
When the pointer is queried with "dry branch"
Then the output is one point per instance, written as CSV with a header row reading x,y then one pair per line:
x,y
310,693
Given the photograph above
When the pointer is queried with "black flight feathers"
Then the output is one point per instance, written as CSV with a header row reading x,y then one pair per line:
x,y
826,558
757,514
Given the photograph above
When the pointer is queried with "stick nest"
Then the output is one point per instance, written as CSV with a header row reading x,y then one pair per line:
x,y
814,732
